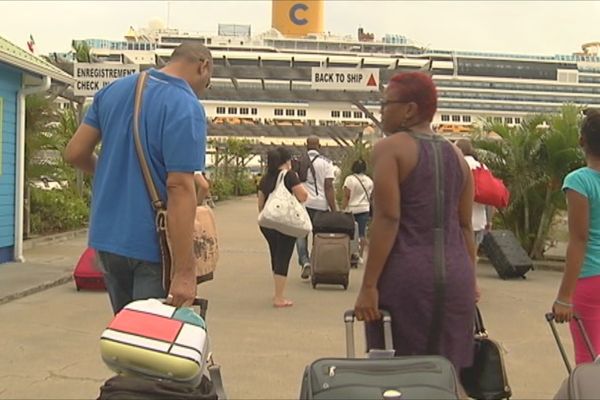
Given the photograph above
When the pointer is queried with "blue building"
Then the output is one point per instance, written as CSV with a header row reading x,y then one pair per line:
x,y
21,73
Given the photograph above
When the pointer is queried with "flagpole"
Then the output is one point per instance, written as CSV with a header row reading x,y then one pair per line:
x,y
168,13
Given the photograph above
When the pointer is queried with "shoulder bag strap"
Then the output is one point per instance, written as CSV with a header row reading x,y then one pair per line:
x,y
157,203
363,186
314,174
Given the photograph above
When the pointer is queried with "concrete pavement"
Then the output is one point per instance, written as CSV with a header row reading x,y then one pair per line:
x,y
50,339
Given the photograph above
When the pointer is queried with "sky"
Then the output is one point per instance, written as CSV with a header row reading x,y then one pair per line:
x,y
522,27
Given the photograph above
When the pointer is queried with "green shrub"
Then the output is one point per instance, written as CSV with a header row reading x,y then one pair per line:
x,y
223,188
55,211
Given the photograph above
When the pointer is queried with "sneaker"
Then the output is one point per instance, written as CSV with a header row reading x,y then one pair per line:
x,y
305,271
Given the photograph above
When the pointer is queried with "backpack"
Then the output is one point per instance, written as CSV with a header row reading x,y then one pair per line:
x,y
303,164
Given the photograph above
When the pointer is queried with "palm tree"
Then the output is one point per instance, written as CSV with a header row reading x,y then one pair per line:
x,y
82,51
533,159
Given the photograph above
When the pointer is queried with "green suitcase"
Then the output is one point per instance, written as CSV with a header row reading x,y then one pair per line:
x,y
412,377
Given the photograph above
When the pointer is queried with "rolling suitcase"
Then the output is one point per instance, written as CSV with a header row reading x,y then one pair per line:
x,y
334,222
86,274
381,376
153,339
330,259
135,385
582,382
506,254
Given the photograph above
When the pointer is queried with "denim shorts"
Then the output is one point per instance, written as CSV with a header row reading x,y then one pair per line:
x,y
362,220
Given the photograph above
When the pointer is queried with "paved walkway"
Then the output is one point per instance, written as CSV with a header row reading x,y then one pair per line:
x,y
50,339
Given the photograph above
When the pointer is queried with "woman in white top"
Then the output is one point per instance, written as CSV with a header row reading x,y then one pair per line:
x,y
358,188
481,213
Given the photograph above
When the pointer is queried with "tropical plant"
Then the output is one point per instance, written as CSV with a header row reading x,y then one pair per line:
x,y
360,150
82,51
533,159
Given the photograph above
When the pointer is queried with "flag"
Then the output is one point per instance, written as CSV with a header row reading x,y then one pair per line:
x,y
31,43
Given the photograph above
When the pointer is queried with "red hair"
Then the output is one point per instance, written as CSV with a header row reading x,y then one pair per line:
x,y
416,87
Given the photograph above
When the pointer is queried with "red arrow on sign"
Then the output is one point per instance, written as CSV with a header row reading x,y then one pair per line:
x,y
372,81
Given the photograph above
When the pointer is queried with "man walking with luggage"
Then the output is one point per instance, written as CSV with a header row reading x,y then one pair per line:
x,y
173,136
321,195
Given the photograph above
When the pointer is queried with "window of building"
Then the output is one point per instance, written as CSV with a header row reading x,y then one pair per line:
x,y
517,120
301,113
358,114
278,111
290,113
498,119
347,114
456,118
466,118
335,114
232,110
445,117
254,111
220,110
244,111
509,120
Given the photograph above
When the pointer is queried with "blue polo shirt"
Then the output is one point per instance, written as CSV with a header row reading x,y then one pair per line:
x,y
173,134
586,182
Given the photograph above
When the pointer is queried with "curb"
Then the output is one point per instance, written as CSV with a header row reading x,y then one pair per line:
x,y
53,239
36,289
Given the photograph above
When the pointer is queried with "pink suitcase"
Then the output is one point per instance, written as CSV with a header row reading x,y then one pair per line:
x,y
86,274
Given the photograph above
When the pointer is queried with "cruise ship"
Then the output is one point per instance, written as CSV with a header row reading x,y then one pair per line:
x,y
265,80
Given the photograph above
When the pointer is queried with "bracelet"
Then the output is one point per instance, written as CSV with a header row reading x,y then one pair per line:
x,y
562,303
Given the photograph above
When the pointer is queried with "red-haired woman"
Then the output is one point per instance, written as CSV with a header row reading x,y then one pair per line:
x,y
432,302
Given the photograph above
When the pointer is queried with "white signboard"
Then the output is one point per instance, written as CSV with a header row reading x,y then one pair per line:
x,y
93,77
351,79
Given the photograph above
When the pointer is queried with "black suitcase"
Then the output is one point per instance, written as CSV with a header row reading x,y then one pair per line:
x,y
333,222
506,254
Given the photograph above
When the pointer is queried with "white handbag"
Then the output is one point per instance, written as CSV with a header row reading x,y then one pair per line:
x,y
284,213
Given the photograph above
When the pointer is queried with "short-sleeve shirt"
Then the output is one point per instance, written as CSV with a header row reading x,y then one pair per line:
x,y
479,218
361,189
586,182
315,186
268,182
173,135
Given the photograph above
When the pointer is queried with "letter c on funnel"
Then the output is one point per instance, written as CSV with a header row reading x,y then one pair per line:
x,y
294,10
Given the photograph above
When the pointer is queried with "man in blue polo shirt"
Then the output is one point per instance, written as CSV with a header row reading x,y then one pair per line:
x,y
173,135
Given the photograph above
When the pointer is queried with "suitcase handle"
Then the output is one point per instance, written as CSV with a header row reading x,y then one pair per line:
x,y
200,303
551,321
349,317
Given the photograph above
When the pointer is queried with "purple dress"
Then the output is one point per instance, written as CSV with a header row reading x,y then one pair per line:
x,y
406,285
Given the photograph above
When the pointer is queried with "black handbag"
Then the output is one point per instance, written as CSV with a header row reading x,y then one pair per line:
x,y
486,379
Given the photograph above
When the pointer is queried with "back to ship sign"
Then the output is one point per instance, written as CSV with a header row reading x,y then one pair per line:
x,y
351,79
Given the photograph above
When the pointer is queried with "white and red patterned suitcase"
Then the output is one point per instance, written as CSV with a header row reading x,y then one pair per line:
x,y
153,339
